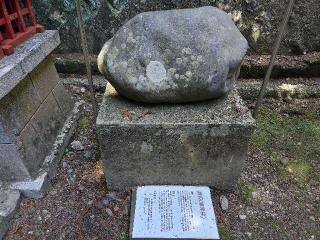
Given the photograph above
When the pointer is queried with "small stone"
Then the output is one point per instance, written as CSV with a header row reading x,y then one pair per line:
x,y
255,195
270,203
224,203
81,188
126,210
45,212
77,146
105,201
99,205
242,217
112,196
248,234
64,165
87,155
82,90
312,218
284,161
109,212
90,202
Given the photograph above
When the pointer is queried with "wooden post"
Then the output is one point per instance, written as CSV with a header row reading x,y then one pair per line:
x,y
273,58
84,44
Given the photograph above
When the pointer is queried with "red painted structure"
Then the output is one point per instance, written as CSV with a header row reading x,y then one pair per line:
x,y
17,24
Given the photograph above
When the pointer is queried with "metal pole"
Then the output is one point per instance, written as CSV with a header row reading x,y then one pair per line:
x,y
273,58
84,44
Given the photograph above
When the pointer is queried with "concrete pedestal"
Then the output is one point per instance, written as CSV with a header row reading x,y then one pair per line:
x,y
203,143
33,107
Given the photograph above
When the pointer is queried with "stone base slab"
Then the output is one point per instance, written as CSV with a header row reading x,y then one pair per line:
x,y
38,187
9,203
202,143
10,193
31,115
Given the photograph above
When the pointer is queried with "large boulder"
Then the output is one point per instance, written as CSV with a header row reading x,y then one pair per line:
x,y
174,56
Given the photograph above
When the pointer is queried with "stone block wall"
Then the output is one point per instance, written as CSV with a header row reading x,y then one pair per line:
x,y
31,116
34,106
258,20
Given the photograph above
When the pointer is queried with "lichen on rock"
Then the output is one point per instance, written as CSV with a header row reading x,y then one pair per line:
x,y
174,56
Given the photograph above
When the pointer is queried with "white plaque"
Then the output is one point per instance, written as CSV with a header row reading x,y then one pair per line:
x,y
173,212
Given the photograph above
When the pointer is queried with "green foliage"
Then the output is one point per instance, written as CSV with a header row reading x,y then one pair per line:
x,y
224,232
295,137
279,228
66,151
123,236
246,190
85,121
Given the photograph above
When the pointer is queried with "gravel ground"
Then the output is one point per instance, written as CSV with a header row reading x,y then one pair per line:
x,y
265,205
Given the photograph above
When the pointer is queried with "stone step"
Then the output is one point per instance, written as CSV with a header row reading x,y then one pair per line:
x,y
9,203
248,88
254,66
282,89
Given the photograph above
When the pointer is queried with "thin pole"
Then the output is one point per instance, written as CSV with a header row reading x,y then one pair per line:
x,y
85,50
273,58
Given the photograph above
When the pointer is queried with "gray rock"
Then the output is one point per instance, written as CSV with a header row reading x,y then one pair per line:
x,y
312,218
255,195
242,217
174,56
105,201
64,165
111,196
109,212
284,161
248,234
224,203
77,146
87,155
99,205
9,202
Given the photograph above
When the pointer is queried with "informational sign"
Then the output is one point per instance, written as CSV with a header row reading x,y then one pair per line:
x,y
173,212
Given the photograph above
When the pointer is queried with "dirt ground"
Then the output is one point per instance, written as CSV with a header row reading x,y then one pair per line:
x,y
278,195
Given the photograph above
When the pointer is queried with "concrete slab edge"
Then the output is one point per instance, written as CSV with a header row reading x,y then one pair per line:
x,y
38,188
8,208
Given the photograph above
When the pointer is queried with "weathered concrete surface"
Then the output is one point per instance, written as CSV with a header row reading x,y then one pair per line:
x,y
152,60
11,163
30,119
27,56
192,144
258,20
9,202
44,78
18,106
66,104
